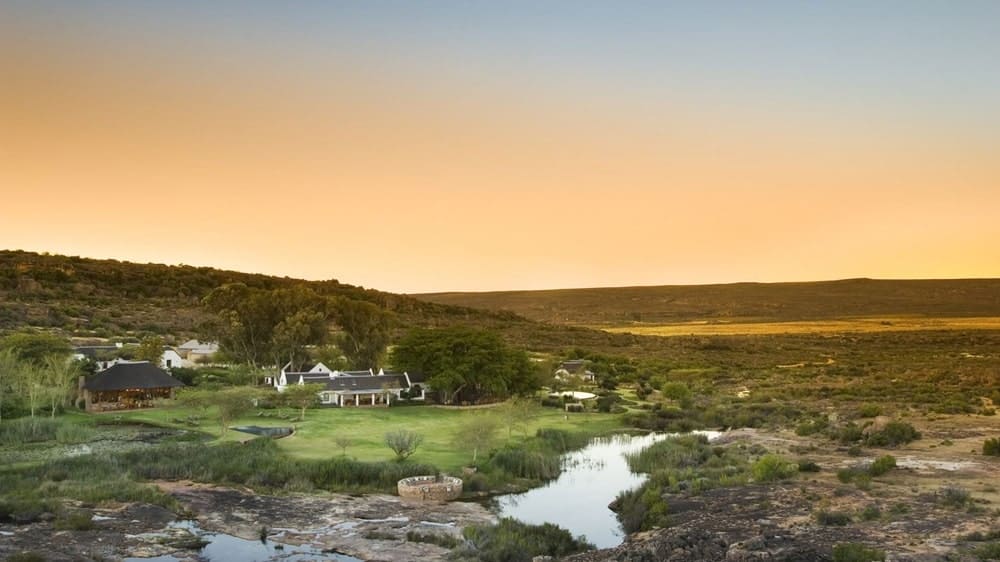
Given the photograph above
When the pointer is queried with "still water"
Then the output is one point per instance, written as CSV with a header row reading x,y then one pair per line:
x,y
591,479
227,548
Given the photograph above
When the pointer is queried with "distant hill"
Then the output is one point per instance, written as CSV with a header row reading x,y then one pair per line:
x,y
743,302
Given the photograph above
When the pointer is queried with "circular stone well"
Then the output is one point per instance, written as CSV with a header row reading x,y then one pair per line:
x,y
438,488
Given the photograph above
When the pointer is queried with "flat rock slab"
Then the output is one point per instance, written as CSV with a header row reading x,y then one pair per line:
x,y
370,527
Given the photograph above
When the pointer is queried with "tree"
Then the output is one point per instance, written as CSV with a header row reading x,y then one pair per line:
x,y
302,396
59,376
35,347
517,412
477,433
260,327
150,349
10,376
466,365
343,441
366,330
403,442
228,403
677,391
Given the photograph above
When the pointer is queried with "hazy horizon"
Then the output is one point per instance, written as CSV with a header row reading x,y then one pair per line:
x,y
479,147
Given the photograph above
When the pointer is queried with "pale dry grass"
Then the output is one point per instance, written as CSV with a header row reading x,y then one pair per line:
x,y
843,325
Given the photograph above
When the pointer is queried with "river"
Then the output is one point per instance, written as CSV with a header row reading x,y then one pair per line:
x,y
591,479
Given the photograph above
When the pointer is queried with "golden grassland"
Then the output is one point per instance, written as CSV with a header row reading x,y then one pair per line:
x,y
827,326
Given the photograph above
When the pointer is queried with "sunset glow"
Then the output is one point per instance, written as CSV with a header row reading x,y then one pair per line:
x,y
476,146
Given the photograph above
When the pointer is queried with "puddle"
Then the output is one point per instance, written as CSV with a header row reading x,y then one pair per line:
x,y
227,548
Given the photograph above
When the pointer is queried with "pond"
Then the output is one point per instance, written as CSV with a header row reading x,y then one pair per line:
x,y
227,548
591,479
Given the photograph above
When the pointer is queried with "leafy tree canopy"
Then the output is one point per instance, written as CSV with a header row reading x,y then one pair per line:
x,y
261,327
35,347
466,365
366,330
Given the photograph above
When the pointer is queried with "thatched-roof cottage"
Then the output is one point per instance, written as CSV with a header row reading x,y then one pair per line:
x,y
133,384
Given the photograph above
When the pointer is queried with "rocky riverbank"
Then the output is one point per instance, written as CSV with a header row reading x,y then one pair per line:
x,y
368,527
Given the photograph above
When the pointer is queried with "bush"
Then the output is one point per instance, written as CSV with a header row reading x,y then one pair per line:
x,y
854,552
869,410
641,509
832,518
444,541
991,447
78,521
771,468
806,465
989,551
893,434
882,465
513,541
870,513
403,442
953,496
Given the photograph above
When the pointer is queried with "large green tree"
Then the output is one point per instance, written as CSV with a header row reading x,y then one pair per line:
x,y
35,347
150,349
466,365
365,331
266,327
36,366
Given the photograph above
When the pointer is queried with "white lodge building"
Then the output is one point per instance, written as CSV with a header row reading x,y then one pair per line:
x,y
354,388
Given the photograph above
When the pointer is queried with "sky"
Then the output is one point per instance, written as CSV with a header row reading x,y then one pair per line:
x,y
436,146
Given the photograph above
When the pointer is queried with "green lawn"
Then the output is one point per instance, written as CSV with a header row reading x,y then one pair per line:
x,y
314,437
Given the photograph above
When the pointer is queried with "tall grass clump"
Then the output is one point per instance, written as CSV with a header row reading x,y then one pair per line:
x,y
36,430
561,440
522,462
679,451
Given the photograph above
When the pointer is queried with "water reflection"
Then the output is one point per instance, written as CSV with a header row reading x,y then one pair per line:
x,y
591,479
227,548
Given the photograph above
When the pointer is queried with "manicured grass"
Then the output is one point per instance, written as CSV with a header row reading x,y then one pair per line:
x,y
315,436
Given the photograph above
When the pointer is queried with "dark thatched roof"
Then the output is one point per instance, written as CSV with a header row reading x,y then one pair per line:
x,y
131,375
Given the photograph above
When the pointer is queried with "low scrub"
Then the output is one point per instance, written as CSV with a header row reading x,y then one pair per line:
x,y
771,468
989,551
36,430
513,541
953,496
894,433
680,464
76,521
855,552
882,465
444,541
832,518
991,447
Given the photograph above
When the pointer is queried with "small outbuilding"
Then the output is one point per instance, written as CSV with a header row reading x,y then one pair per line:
x,y
127,385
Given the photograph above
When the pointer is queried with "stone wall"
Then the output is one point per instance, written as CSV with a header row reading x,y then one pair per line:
x,y
438,488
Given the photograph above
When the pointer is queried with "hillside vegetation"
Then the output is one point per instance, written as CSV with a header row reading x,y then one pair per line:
x,y
742,302
83,296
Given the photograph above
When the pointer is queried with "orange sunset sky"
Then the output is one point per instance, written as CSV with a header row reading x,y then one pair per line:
x,y
508,145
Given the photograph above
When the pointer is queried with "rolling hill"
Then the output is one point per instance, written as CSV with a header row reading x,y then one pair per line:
x,y
741,302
